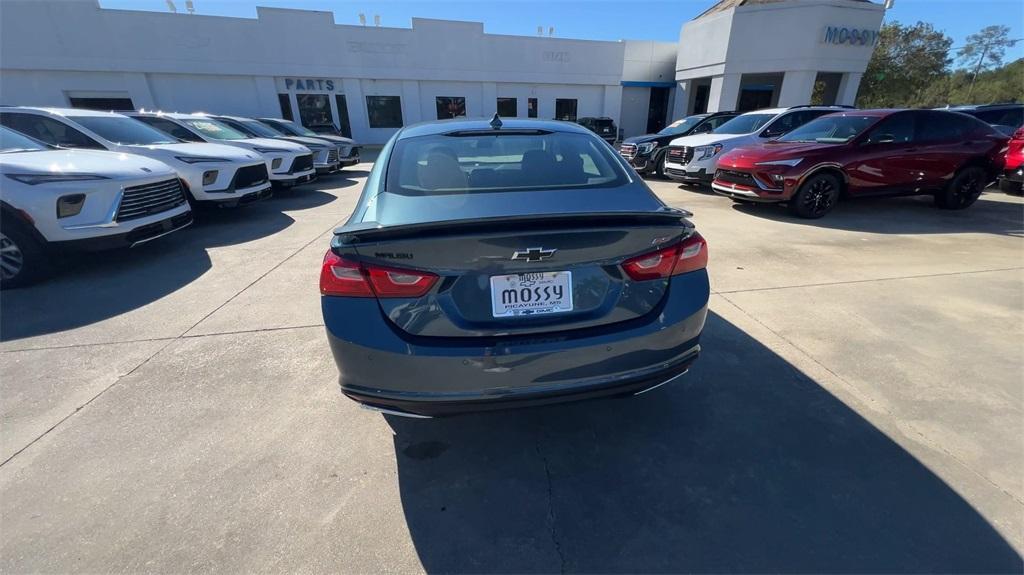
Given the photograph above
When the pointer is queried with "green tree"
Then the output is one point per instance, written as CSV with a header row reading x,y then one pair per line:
x,y
906,63
986,49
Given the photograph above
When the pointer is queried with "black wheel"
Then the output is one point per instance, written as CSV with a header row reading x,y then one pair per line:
x,y
1009,187
22,260
816,197
963,190
660,169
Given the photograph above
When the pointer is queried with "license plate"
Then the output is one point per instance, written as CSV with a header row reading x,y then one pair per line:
x,y
527,294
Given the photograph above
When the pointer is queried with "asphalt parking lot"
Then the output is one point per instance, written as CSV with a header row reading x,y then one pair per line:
x,y
858,407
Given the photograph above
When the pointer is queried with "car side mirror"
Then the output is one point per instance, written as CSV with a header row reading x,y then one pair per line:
x,y
769,133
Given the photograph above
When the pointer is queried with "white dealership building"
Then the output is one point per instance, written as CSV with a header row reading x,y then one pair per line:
x,y
370,80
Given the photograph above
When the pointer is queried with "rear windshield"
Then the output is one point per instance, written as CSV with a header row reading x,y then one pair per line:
x,y
124,130
831,129
489,162
745,124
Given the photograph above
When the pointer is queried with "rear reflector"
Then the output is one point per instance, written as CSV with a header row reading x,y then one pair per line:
x,y
689,255
343,277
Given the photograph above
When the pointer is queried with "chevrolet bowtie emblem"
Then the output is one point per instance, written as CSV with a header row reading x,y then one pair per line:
x,y
533,254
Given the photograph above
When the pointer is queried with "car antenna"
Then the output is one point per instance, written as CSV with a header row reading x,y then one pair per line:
x,y
496,122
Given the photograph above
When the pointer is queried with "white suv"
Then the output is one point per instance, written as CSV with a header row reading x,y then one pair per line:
x,y
61,200
325,155
289,163
214,173
693,159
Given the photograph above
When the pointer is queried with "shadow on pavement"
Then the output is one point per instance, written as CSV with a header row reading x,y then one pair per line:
x,y
90,287
745,464
908,215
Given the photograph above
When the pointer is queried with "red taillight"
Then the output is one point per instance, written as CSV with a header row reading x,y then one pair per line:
x,y
689,255
342,277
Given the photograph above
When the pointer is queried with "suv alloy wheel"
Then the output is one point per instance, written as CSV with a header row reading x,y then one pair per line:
x,y
963,190
816,197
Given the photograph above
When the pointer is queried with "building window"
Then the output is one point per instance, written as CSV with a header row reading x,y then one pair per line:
x,y
450,107
286,107
104,104
565,109
507,107
314,110
343,124
384,111
531,107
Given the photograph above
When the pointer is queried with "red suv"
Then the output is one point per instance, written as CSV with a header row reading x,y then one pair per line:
x,y
1013,171
865,153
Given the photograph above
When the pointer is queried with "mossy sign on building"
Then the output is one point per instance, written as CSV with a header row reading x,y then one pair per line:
x,y
850,36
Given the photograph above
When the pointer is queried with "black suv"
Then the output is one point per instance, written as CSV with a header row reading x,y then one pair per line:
x,y
604,127
647,153
1004,117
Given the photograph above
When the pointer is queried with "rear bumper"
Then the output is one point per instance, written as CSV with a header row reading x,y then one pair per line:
x,y
383,367
132,238
1014,175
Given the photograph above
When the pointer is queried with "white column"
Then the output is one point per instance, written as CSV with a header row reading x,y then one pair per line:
x,y
612,105
411,107
797,87
266,95
680,101
725,92
138,90
848,87
358,119
488,101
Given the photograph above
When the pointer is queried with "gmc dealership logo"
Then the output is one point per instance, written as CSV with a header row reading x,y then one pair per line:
x,y
851,36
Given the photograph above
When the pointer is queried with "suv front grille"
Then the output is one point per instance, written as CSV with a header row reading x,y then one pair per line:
x,y
302,163
734,177
250,176
680,155
628,151
141,201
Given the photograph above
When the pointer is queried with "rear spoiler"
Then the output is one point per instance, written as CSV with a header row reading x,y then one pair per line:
x,y
374,231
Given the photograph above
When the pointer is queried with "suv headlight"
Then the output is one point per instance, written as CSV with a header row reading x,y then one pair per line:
x,y
35,179
270,150
646,148
705,152
790,162
200,159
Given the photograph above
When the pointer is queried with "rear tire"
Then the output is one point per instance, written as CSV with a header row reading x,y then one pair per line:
x,y
1012,188
816,197
22,257
963,190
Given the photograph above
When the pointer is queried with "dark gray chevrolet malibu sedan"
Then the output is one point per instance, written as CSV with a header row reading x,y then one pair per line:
x,y
505,263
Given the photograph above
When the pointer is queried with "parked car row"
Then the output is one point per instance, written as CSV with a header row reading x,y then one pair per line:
x,y
78,179
811,156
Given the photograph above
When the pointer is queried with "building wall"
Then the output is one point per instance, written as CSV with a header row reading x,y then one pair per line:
x,y
787,37
185,62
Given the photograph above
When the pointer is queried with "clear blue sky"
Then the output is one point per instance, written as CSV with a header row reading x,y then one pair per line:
x,y
599,19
